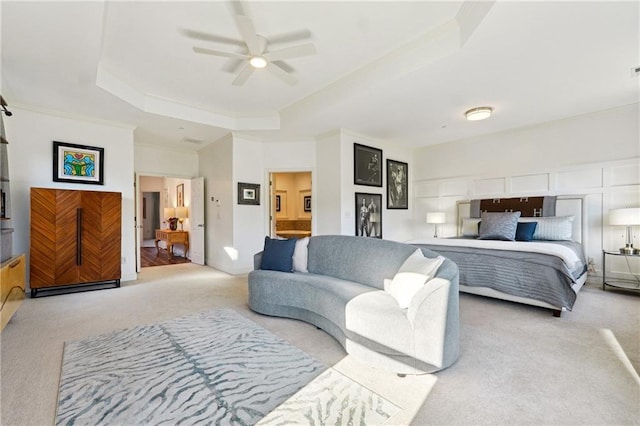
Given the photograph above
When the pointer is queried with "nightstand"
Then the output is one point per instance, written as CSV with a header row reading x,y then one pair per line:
x,y
627,284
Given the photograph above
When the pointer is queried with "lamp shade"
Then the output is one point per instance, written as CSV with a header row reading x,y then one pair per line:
x,y
624,217
436,217
182,212
169,212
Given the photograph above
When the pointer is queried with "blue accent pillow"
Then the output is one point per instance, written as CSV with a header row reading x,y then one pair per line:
x,y
525,231
278,254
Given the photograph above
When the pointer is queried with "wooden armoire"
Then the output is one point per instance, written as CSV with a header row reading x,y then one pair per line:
x,y
75,238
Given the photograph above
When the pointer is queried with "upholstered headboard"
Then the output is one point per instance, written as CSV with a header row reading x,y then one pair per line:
x,y
530,207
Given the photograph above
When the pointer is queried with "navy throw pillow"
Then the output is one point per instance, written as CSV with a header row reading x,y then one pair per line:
x,y
525,231
278,254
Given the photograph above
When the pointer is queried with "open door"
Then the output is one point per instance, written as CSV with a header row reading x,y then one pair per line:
x,y
196,239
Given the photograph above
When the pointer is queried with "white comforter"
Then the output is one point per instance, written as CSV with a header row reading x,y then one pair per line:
x,y
566,254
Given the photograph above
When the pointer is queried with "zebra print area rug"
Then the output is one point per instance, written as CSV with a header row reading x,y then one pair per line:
x,y
215,367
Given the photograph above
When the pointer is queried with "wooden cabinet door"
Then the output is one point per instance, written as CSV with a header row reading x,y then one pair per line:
x,y
101,236
67,231
42,269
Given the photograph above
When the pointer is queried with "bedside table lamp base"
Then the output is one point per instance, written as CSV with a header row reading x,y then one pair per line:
x,y
627,217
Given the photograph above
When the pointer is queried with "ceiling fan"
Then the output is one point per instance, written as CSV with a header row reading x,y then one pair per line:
x,y
257,54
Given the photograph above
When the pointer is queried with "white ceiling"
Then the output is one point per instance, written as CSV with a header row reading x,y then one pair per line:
x,y
398,71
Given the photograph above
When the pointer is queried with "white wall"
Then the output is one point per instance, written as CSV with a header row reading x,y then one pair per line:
x,y
595,155
159,161
216,166
396,224
31,135
327,211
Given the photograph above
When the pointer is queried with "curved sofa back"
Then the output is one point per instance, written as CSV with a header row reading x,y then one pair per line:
x,y
363,260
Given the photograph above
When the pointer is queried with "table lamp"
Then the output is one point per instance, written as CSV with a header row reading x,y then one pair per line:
x,y
436,218
182,213
626,217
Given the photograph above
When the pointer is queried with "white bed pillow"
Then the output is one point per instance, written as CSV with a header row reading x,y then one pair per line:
x,y
551,228
412,275
300,255
470,226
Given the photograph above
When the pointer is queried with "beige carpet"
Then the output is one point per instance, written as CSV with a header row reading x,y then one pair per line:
x,y
518,364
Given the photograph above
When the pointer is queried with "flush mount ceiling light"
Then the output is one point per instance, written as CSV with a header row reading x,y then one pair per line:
x,y
479,113
258,62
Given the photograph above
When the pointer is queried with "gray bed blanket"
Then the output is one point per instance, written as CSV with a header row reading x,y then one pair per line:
x,y
536,276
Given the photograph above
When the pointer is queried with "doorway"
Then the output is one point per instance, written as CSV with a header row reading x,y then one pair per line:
x,y
150,217
157,197
291,210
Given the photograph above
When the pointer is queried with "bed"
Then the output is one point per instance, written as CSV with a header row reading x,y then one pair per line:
x,y
548,270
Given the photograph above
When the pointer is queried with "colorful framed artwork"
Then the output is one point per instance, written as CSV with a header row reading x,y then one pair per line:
x,y
367,165
180,195
78,163
249,193
368,215
397,186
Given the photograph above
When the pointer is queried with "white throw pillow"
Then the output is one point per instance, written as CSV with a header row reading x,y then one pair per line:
x,y
470,226
300,255
553,228
414,272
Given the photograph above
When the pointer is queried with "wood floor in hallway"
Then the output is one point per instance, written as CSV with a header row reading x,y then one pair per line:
x,y
149,256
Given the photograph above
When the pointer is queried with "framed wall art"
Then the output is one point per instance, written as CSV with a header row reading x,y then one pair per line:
x,y
397,185
368,215
249,193
180,195
78,163
307,203
367,165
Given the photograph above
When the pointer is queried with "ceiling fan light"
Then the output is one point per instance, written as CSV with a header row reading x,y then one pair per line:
x,y
479,113
258,62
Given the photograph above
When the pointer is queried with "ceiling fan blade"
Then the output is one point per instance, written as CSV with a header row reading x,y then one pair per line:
x,y
238,7
289,37
282,75
291,52
248,32
218,53
244,74
232,66
199,35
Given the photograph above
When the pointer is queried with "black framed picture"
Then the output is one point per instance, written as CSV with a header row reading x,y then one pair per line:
x,y
78,163
277,203
368,215
367,165
397,186
249,193
307,203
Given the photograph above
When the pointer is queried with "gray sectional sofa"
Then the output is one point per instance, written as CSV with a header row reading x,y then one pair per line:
x,y
343,294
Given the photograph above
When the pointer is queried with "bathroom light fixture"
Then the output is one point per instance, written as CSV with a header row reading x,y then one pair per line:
x,y
436,218
479,113
626,217
258,62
